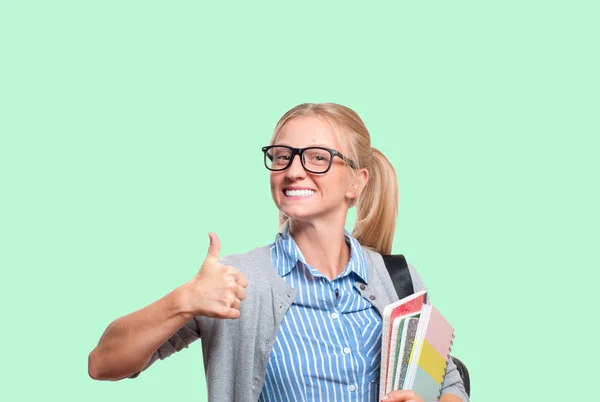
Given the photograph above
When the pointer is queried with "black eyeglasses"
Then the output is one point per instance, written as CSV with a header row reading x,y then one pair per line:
x,y
313,159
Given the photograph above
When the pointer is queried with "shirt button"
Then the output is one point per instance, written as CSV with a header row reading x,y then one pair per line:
x,y
363,287
346,350
372,297
334,315
351,388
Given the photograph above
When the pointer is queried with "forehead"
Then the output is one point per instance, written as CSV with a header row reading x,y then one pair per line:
x,y
305,131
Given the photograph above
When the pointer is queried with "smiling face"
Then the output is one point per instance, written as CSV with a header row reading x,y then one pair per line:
x,y
306,196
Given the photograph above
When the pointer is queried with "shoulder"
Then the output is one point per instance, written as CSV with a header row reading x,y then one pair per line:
x,y
417,282
375,261
256,259
378,264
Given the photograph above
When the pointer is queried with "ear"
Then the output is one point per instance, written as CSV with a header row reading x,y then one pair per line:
x,y
359,182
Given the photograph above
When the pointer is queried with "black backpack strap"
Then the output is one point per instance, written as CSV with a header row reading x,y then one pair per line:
x,y
398,269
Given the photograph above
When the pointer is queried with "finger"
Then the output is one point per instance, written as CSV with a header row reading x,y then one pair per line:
x,y
215,246
241,293
241,280
234,313
236,304
237,276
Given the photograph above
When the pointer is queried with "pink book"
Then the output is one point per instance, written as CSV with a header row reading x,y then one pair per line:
x,y
433,343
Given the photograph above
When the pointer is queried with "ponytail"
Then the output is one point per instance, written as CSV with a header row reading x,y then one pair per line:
x,y
377,206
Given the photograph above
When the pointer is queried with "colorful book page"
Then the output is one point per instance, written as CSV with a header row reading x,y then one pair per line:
x,y
397,348
398,353
416,351
397,328
411,331
408,305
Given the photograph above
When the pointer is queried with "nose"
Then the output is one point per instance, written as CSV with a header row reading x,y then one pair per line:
x,y
296,170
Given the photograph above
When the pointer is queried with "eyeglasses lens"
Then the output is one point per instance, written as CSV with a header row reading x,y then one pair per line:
x,y
314,159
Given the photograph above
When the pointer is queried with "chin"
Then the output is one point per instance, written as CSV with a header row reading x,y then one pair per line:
x,y
297,213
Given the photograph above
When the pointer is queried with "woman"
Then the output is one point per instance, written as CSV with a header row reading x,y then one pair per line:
x,y
300,319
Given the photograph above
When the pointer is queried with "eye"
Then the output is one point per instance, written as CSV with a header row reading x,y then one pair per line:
x,y
317,157
280,155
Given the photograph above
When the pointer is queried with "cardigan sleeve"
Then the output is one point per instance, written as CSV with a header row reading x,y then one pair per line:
x,y
178,341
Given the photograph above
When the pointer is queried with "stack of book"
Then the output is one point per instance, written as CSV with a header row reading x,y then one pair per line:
x,y
416,342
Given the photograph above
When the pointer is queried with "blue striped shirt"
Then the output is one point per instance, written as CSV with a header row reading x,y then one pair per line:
x,y
328,345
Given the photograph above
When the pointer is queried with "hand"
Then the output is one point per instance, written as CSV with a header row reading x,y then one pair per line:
x,y
217,290
402,396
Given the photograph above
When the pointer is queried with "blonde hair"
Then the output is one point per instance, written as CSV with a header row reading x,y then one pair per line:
x,y
377,204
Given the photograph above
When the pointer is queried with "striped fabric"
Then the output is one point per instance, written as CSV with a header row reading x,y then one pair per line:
x,y
328,345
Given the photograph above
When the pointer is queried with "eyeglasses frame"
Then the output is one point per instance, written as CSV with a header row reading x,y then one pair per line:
x,y
300,152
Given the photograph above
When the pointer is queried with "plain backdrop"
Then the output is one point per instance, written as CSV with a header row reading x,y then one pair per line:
x,y
130,129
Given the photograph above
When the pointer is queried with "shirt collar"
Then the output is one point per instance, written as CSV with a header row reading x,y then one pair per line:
x,y
288,255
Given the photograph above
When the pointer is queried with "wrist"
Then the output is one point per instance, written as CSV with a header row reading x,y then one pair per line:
x,y
181,301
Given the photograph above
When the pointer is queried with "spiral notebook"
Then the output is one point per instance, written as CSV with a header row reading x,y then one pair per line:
x,y
429,354
416,342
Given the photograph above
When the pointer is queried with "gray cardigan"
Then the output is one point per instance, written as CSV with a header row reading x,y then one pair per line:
x,y
236,352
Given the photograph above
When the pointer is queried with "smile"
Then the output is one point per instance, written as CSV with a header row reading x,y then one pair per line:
x,y
299,193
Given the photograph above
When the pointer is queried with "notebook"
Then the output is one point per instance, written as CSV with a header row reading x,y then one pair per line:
x,y
409,305
429,355
398,343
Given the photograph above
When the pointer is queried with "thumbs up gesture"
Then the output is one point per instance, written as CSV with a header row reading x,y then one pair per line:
x,y
217,290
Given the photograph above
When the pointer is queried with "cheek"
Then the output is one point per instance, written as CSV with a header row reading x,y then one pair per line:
x,y
274,182
339,182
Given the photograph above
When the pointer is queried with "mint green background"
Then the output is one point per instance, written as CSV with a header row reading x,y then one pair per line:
x,y
118,119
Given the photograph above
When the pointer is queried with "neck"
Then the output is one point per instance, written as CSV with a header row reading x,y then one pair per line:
x,y
322,244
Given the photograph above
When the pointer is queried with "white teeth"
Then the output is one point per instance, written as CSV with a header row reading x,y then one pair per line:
x,y
299,193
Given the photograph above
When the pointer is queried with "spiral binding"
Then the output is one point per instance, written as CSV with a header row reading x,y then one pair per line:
x,y
446,367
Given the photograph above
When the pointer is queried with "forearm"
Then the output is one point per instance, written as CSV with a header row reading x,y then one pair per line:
x,y
129,342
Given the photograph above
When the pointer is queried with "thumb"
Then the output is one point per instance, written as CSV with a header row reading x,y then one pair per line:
x,y
215,246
